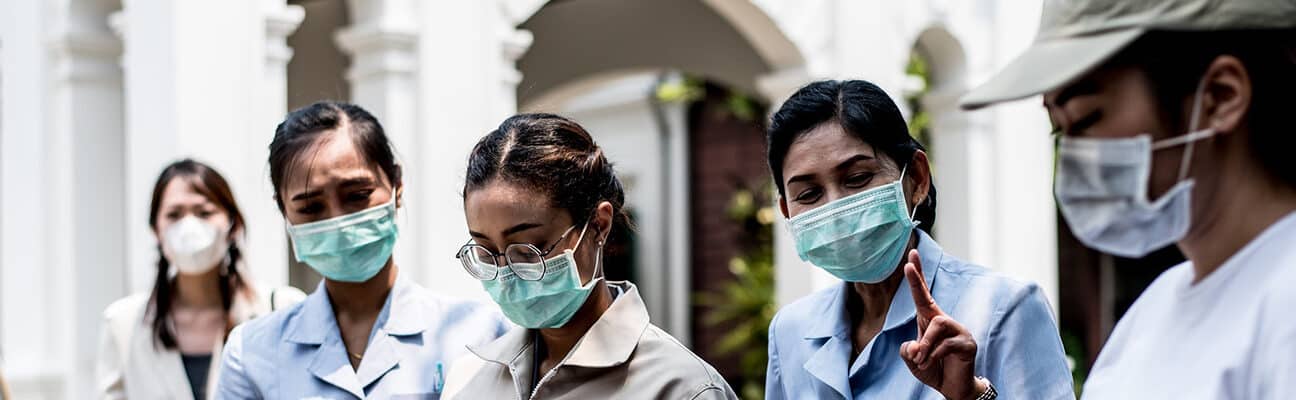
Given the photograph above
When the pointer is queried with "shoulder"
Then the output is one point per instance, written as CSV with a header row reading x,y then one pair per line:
x,y
449,312
803,311
667,355
267,329
971,282
131,307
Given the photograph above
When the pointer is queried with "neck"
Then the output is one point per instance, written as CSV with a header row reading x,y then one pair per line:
x,y
1226,216
362,298
560,341
868,303
199,290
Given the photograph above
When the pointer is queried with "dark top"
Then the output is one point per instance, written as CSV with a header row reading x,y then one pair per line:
x,y
196,367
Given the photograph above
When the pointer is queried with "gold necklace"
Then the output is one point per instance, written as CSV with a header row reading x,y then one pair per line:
x,y
357,356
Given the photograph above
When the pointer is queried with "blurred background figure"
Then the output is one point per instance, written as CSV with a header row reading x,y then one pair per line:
x,y
166,343
95,95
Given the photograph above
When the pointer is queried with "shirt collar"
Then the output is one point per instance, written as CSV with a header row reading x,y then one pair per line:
x,y
609,342
901,309
400,315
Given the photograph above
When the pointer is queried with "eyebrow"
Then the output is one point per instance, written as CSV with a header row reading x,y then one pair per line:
x,y
844,164
515,229
345,182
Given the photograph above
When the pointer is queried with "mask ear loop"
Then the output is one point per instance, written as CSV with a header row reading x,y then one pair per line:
x,y
913,212
1193,135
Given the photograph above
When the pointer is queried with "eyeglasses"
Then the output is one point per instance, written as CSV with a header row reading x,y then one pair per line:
x,y
524,259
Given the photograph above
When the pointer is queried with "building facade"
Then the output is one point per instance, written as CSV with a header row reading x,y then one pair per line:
x,y
96,96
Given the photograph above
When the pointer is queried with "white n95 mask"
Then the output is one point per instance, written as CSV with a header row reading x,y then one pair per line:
x,y
194,246
1102,187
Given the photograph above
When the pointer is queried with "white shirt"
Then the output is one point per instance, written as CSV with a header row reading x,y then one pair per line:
x,y
1230,336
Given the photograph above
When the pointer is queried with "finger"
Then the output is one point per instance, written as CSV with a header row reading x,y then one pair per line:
x,y
941,328
906,353
924,304
962,347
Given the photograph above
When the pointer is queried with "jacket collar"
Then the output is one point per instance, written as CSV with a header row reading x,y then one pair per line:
x,y
609,342
401,315
316,326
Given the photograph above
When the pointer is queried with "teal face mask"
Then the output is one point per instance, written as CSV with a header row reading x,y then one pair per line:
x,y
546,303
349,248
858,238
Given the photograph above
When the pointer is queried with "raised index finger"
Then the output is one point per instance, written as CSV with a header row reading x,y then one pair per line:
x,y
924,304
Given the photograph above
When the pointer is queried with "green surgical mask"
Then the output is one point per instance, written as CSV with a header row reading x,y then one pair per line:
x,y
858,238
349,248
548,302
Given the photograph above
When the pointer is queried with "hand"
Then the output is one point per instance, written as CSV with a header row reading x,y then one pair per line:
x,y
944,355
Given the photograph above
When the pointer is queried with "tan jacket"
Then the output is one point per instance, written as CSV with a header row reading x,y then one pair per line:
x,y
622,356
129,366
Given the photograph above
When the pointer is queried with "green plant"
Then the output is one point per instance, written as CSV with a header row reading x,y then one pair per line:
x,y
920,119
746,304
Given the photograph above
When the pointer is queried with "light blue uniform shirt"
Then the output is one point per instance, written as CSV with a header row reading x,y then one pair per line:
x,y
1018,346
298,352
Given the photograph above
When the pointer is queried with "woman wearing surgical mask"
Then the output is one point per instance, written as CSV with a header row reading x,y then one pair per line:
x,y
162,344
541,201
365,332
907,321
1174,123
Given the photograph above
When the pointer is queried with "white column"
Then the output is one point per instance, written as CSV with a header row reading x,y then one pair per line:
x,y
382,42
463,90
26,323
195,73
267,253
62,240
1026,235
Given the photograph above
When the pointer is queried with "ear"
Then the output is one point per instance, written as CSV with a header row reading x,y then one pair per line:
x,y
400,190
783,206
602,219
919,176
1226,97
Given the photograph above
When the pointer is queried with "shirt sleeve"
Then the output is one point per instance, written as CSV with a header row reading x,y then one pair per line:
x,y
234,381
773,377
1025,359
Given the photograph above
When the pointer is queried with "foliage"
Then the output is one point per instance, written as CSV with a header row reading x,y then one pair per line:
x,y
746,304
1075,353
920,119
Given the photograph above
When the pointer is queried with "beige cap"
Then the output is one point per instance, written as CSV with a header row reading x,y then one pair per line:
x,y
1077,35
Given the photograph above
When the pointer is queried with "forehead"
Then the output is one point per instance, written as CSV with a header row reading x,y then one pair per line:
x,y
502,204
333,156
824,145
181,190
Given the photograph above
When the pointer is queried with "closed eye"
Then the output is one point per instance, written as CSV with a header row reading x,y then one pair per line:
x,y
858,180
809,196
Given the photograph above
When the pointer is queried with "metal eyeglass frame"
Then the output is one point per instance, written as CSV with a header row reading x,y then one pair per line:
x,y
508,263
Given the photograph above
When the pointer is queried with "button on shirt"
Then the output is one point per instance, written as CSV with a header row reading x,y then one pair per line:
x,y
622,356
1018,346
298,352
1231,335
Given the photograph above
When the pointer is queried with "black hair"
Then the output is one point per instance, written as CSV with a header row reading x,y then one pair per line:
x,y
864,111
1174,62
302,127
207,182
552,155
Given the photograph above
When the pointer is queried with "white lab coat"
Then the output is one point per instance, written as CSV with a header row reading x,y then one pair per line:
x,y
129,366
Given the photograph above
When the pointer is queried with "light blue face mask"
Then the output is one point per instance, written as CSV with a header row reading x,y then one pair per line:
x,y
349,248
546,303
858,238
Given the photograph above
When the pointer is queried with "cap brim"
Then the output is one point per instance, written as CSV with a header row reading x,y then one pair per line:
x,y
1047,65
